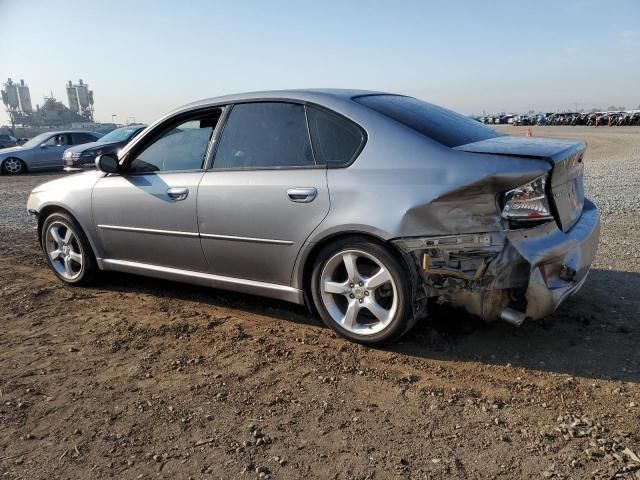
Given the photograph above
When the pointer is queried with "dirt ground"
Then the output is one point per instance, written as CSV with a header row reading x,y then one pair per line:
x,y
141,378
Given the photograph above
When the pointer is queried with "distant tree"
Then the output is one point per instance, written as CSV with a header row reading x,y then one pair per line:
x,y
612,107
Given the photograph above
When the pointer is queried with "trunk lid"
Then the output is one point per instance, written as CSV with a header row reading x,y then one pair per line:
x,y
566,188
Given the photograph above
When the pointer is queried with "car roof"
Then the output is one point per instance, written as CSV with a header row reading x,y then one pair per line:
x,y
133,125
61,132
305,95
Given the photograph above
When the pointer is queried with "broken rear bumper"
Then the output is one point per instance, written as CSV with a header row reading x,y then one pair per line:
x,y
527,272
559,262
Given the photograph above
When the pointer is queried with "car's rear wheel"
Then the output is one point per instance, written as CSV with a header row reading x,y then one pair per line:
x,y
362,291
68,251
13,166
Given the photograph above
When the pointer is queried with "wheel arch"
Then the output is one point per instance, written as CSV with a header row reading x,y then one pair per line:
x,y
302,275
48,209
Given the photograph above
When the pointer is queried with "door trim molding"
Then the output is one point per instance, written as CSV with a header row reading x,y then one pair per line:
x,y
246,239
149,230
254,287
180,233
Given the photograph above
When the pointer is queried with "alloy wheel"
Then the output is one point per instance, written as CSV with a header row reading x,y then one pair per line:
x,y
12,165
64,250
358,292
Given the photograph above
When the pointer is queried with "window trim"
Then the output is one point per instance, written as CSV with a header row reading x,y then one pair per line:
x,y
229,108
155,134
217,134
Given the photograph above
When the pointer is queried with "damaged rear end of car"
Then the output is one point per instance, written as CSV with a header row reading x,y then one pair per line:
x,y
537,252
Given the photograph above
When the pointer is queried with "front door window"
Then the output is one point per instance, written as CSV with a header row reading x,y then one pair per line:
x,y
182,146
57,141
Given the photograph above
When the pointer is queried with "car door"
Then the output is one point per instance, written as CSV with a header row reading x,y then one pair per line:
x,y
263,195
49,153
147,214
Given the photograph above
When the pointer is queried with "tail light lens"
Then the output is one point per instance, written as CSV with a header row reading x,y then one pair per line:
x,y
528,203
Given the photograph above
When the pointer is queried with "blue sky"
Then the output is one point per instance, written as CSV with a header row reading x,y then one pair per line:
x,y
143,58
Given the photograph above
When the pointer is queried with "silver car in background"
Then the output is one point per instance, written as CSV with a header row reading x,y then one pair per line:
x,y
42,152
366,206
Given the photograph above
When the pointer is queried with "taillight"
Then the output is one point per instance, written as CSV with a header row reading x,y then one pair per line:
x,y
528,203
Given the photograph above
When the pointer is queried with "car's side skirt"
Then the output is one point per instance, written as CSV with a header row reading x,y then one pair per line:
x,y
272,290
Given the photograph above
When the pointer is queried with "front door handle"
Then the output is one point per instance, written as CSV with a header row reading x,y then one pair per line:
x,y
178,193
302,195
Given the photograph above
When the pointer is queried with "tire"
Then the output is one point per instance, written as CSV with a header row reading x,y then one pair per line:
x,y
67,249
13,166
372,304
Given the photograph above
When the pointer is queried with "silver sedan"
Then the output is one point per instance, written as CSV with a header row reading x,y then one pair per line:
x,y
368,207
42,152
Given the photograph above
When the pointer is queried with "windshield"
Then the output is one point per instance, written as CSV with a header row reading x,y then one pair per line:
x,y
119,135
37,140
440,124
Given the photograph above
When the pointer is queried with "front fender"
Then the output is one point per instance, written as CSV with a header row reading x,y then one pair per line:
x,y
73,195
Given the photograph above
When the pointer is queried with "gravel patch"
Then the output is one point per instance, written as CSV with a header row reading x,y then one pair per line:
x,y
14,192
134,377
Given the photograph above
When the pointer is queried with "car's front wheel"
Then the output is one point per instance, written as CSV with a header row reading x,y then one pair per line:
x,y
362,291
68,251
13,166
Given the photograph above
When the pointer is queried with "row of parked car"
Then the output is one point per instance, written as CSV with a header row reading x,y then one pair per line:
x,y
596,119
628,118
69,149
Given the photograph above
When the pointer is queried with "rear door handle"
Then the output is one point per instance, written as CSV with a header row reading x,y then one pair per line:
x,y
178,193
302,195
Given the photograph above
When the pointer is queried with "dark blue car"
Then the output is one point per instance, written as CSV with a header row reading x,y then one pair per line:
x,y
84,156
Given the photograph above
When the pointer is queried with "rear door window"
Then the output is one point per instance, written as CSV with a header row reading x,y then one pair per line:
x,y
80,138
336,140
440,124
265,135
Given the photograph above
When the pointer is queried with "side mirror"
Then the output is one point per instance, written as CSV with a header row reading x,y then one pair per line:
x,y
43,146
107,163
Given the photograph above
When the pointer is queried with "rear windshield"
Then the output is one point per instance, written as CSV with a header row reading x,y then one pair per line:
x,y
442,125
